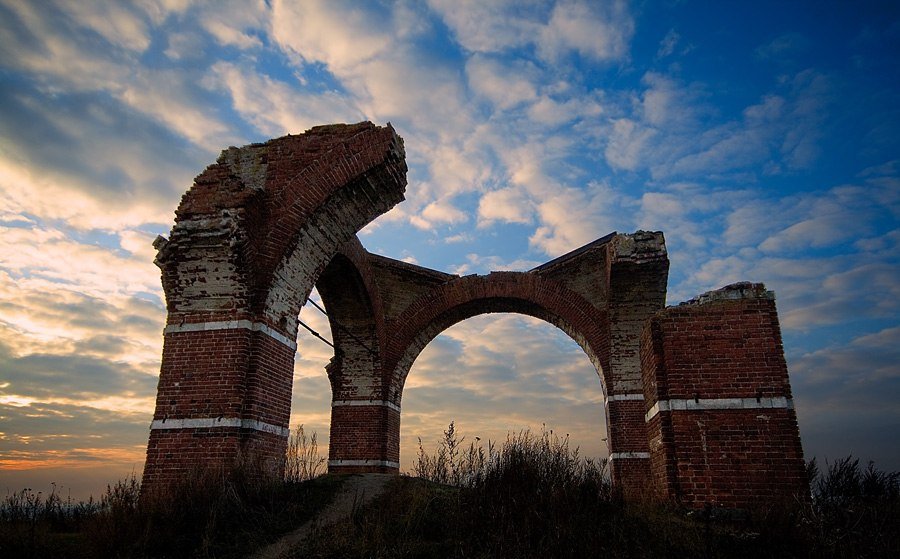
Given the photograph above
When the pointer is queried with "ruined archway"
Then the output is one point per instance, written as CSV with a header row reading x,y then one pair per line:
x,y
269,221
251,237
619,275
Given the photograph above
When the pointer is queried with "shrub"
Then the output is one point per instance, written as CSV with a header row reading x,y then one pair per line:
x,y
302,460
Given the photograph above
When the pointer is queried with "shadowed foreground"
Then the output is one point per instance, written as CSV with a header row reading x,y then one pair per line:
x,y
529,497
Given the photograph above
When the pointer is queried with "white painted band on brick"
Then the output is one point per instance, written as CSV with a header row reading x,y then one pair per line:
x,y
384,463
213,422
778,402
232,325
632,455
384,403
623,397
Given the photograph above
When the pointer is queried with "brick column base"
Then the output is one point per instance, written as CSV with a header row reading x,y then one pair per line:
x,y
720,417
365,437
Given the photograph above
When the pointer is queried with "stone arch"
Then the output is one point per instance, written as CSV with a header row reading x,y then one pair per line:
x,y
267,221
251,238
525,293
355,316
512,292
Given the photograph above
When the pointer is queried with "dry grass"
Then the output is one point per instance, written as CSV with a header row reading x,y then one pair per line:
x,y
531,496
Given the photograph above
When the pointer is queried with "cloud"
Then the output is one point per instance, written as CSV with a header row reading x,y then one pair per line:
x,y
573,217
507,205
443,212
115,22
668,44
504,86
627,144
276,108
813,220
484,264
548,111
60,56
783,46
490,26
236,23
672,129
845,395
598,31
343,36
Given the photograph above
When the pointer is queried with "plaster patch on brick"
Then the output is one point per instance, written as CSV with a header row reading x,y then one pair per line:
x,y
383,403
218,422
629,455
719,404
248,163
623,398
232,325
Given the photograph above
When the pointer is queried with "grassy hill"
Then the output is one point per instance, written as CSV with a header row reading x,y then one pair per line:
x,y
530,497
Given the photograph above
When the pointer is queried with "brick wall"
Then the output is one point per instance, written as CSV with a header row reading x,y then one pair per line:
x,y
251,237
721,425
697,401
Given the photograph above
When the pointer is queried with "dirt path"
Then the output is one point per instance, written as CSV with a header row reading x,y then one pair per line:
x,y
357,491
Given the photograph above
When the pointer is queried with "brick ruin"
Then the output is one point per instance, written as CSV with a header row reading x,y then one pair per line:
x,y
697,397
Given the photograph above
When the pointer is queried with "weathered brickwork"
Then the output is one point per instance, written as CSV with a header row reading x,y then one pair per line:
x,y
250,239
720,417
268,222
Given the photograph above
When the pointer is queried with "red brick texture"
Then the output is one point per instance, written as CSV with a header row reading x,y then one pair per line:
x,y
250,239
267,222
721,424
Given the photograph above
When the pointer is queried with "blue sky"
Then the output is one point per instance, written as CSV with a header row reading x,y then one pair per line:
x,y
762,138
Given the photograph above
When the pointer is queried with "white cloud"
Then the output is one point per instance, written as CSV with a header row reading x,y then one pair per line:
x,y
53,194
573,217
490,26
342,35
169,98
115,22
443,212
187,45
501,84
507,205
42,254
553,113
276,108
628,144
235,23
159,10
598,31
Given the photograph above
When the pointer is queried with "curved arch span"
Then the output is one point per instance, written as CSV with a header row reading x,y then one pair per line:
x,y
511,292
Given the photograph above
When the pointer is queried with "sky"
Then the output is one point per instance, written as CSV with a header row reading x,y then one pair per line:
x,y
762,138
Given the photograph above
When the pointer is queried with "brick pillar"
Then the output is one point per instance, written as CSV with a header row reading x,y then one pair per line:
x,y
365,426
720,418
627,443
365,437
637,274
210,413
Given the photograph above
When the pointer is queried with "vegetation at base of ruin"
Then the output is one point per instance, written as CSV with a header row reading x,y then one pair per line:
x,y
302,461
205,516
531,496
